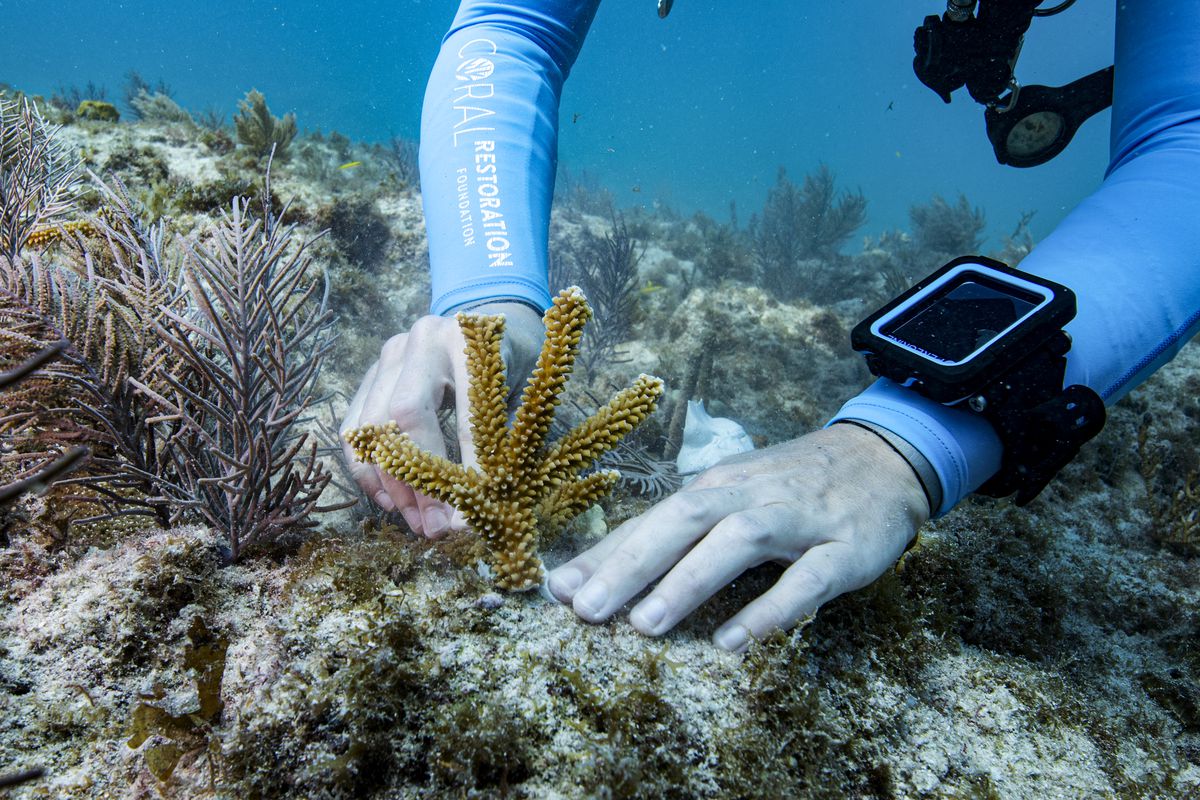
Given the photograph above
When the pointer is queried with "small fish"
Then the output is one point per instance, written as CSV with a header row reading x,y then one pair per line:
x,y
651,287
664,8
575,117
636,189
890,104
350,165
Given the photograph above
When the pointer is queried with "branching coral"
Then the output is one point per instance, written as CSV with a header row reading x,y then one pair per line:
x,y
524,489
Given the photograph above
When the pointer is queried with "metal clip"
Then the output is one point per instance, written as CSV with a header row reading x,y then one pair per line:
x,y
1014,91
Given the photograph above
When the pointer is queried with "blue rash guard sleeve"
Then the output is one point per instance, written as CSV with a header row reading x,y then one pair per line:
x,y
489,137
1130,251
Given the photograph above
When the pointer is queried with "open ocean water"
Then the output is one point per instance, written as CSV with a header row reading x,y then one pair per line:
x,y
695,112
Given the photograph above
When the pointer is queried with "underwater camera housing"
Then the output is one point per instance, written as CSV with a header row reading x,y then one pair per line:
x,y
1028,125
982,336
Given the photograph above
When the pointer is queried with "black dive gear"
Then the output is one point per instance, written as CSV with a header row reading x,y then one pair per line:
x,y
1028,125
982,336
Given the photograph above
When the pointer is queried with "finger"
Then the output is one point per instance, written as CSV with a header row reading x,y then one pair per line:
x,y
737,543
435,366
370,404
818,576
353,412
419,372
658,540
565,580
365,475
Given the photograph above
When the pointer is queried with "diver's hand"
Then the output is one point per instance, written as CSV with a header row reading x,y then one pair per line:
x,y
838,506
412,379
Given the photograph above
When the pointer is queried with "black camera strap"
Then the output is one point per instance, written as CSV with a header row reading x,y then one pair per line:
x,y
1041,424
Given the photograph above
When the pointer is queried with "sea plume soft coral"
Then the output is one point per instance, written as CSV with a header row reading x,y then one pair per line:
x,y
263,133
247,357
801,224
189,399
102,295
39,180
44,473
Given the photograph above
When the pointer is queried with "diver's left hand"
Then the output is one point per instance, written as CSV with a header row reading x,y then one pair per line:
x,y
838,506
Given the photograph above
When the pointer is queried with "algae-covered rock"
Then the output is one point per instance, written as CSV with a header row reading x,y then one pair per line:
x,y
97,111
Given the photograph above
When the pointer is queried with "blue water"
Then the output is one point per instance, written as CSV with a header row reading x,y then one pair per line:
x,y
693,112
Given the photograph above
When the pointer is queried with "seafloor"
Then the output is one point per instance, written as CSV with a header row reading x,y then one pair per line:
x,y
1045,652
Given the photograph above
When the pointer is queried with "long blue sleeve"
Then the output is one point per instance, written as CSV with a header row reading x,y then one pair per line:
x,y
489,134
1130,251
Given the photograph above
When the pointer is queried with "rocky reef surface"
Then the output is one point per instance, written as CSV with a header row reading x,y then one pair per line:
x,y
1051,651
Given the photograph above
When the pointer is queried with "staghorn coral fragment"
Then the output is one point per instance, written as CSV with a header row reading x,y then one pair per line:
x,y
524,490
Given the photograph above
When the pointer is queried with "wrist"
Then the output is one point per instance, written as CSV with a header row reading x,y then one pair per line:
x,y
912,469
922,470
962,447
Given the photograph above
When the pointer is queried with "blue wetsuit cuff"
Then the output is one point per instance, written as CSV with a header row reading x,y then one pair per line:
x,y
532,293
962,448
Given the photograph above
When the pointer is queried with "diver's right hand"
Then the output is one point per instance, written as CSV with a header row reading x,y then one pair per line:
x,y
417,372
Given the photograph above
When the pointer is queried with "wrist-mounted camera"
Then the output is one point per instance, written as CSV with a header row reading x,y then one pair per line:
x,y
984,337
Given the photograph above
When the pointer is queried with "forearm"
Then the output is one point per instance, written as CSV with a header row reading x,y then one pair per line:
x,y
1130,252
489,131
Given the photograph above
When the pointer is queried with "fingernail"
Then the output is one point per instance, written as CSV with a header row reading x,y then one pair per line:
x,y
592,599
385,501
731,637
564,583
436,521
648,614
